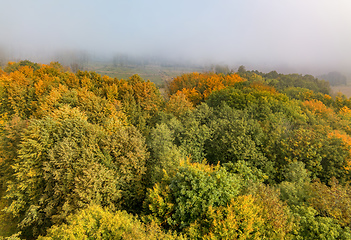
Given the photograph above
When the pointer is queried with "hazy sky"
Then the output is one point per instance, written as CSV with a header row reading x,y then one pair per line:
x,y
299,34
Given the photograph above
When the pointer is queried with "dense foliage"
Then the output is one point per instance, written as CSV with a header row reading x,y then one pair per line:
x,y
98,223
245,155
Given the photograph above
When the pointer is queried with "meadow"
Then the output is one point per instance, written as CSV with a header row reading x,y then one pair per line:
x,y
156,73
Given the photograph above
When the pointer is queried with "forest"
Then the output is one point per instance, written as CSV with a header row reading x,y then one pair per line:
x,y
244,155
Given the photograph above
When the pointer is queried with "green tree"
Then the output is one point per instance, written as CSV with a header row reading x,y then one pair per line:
x,y
241,69
195,133
190,131
184,198
312,226
164,154
295,190
235,137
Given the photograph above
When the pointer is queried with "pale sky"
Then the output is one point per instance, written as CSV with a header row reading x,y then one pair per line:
x,y
300,34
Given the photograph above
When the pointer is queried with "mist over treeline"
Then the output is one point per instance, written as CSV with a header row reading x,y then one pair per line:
x,y
83,60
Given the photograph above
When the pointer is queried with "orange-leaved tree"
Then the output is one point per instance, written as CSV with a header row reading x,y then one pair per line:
x,y
198,86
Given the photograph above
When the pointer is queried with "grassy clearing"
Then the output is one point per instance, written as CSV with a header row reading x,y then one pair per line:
x,y
155,73
344,89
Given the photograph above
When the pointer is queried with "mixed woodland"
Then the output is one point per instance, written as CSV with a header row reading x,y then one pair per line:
x,y
245,155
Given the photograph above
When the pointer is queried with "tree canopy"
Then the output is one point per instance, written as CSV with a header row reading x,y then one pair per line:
x,y
224,155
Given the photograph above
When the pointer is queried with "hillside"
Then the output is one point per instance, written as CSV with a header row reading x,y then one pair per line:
x,y
246,155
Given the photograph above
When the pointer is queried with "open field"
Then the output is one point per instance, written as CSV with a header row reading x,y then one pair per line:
x,y
344,89
155,73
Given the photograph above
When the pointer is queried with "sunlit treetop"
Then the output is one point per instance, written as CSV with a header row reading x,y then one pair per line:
x,y
198,86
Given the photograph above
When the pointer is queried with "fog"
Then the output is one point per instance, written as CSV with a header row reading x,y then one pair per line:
x,y
305,36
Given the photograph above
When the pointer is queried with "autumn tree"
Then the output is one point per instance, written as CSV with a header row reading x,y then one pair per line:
x,y
64,163
13,66
178,104
141,101
239,219
96,222
332,201
198,86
